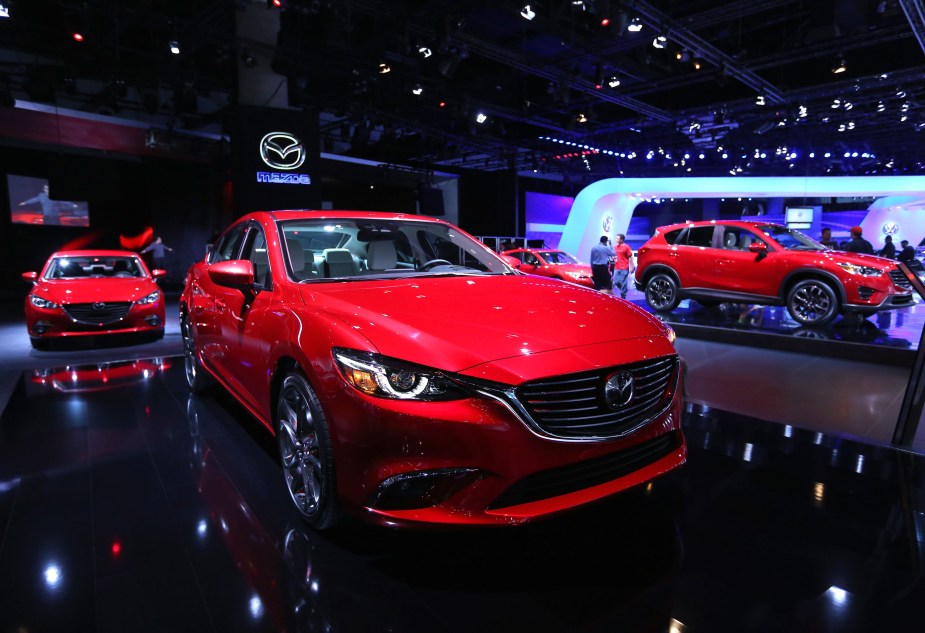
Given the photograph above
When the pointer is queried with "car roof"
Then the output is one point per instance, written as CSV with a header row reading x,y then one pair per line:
x,y
320,214
740,223
95,253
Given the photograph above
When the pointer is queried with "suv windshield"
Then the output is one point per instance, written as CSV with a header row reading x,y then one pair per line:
x,y
558,257
790,239
345,248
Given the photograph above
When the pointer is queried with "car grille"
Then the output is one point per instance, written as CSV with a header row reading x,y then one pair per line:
x,y
898,278
573,406
567,479
99,313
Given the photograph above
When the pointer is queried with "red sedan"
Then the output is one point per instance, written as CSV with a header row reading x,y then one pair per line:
x,y
390,356
551,263
93,292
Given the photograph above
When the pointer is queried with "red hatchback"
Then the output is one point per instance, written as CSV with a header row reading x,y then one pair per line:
x,y
769,264
551,263
390,356
93,292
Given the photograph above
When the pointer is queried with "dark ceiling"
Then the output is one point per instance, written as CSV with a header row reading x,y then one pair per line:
x,y
543,86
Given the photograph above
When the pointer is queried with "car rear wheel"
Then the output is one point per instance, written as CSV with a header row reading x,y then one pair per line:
x,y
306,453
812,302
662,292
196,377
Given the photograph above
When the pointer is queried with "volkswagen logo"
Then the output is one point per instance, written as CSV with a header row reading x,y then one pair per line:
x,y
607,224
99,305
890,228
618,390
281,150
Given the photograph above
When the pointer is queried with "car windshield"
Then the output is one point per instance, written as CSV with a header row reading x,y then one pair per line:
x,y
790,239
94,266
557,257
345,248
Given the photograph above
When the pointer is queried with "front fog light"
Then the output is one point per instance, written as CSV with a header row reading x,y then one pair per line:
x,y
423,489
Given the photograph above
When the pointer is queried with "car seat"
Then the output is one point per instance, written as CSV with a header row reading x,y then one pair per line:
x,y
731,240
381,255
338,262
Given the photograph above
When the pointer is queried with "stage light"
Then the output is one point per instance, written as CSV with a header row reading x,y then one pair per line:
x,y
4,11
613,82
480,117
605,22
174,47
527,13
634,26
384,68
759,100
417,90
78,36
426,52
660,41
582,118
839,66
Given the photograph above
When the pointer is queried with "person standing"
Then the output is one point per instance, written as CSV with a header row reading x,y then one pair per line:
x,y
857,244
601,254
622,265
827,240
907,254
889,249
157,249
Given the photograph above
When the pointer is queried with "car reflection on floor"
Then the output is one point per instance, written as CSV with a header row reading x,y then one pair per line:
x,y
99,377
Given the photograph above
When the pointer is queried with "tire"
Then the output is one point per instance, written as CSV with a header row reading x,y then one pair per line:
x,y
306,453
197,378
662,292
812,302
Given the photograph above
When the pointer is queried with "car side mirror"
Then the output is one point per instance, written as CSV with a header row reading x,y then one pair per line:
x,y
30,276
511,261
234,273
157,273
758,247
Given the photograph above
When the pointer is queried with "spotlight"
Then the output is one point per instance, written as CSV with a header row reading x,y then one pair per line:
x,y
696,64
174,47
78,36
384,68
839,66
480,117
613,82
582,118
660,41
759,100
635,25
417,90
4,11
426,52
527,13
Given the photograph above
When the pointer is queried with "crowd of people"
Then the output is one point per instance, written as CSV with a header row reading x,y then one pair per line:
x,y
857,244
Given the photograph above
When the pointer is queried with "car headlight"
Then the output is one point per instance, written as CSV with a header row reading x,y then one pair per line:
x,y
383,377
38,302
866,271
151,298
670,333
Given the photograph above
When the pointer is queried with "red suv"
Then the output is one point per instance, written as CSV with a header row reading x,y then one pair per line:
x,y
762,263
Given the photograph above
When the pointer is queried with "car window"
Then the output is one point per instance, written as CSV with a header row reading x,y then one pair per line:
x,y
532,260
672,236
94,266
738,239
700,236
790,239
558,257
255,250
229,244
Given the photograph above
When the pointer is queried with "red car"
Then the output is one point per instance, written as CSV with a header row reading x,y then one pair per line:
x,y
551,263
93,292
390,356
769,264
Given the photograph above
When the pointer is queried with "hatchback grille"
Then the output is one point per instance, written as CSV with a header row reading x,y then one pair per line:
x,y
99,313
899,278
573,406
593,472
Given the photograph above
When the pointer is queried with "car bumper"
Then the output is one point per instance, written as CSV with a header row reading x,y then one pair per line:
x,y
46,324
475,462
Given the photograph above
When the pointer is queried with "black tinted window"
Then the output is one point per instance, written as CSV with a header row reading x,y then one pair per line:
x,y
700,236
672,236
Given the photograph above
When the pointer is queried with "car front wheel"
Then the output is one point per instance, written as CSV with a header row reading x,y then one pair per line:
x,y
812,302
306,453
662,292
196,377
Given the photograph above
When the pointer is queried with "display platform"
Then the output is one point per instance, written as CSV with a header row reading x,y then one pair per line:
x,y
889,337
128,504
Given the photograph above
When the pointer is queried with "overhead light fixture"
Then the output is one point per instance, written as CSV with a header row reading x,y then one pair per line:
x,y
174,47
696,64
4,11
582,118
78,36
384,68
417,90
634,26
480,117
527,13
579,4
660,41
613,82
839,66
759,100
425,51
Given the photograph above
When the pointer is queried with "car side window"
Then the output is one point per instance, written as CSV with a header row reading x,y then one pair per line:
x,y
672,236
255,250
531,259
700,236
229,245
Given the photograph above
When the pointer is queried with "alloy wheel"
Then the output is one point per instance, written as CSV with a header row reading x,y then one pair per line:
x,y
299,450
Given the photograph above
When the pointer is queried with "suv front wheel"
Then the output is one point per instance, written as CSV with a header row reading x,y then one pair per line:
x,y
662,292
812,302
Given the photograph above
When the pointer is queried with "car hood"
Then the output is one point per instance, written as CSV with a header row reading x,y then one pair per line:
x,y
859,259
89,290
456,323
582,269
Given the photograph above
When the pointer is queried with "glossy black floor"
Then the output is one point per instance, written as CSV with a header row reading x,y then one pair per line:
x,y
126,504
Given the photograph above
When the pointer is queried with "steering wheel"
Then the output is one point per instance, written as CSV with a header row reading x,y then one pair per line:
x,y
434,262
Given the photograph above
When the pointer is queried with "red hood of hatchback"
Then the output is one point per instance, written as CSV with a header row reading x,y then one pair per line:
x,y
454,323
89,290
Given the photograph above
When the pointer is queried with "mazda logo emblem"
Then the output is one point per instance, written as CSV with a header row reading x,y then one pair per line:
x,y
281,150
890,228
618,390
99,305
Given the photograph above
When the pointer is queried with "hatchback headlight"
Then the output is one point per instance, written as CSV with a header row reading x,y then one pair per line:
x,y
151,298
866,271
39,302
383,377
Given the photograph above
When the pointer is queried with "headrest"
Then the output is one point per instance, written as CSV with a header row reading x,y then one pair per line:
x,y
381,255
337,255
296,254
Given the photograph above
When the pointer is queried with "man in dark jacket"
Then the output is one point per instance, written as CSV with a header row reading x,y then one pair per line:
x,y
858,244
907,254
889,249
